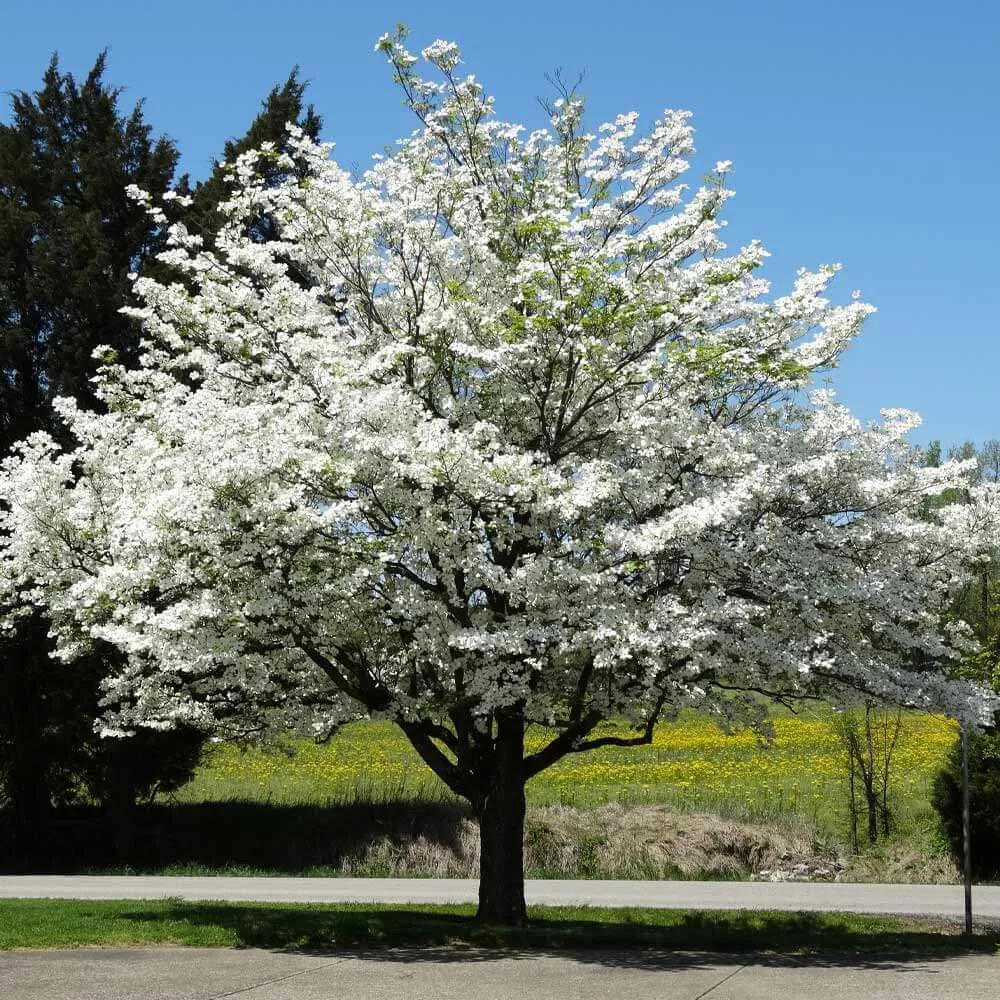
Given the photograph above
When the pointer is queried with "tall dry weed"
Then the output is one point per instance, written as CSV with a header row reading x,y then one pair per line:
x,y
613,842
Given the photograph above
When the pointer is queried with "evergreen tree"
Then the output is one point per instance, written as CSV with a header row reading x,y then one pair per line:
x,y
69,238
284,105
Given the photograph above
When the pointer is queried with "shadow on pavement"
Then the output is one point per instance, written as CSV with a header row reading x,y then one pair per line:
x,y
680,940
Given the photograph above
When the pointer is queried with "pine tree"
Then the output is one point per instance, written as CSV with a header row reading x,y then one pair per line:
x,y
69,238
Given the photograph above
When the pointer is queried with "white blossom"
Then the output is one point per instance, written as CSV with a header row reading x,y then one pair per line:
x,y
526,439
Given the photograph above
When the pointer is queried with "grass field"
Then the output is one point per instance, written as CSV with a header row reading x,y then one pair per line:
x,y
691,766
50,923
696,803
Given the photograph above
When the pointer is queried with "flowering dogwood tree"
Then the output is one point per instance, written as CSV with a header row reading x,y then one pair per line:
x,y
528,448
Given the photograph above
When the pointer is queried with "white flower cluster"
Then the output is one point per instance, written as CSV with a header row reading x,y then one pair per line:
x,y
525,438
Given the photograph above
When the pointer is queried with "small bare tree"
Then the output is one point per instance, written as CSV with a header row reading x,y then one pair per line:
x,y
869,736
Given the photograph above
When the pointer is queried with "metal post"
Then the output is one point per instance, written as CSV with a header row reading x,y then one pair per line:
x,y
966,836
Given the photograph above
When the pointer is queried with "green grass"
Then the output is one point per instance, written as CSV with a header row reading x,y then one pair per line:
x,y
32,923
365,804
691,765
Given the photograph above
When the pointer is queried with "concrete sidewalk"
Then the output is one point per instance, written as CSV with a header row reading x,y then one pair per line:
x,y
211,974
929,900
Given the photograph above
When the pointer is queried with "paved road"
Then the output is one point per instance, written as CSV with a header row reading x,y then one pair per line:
x,y
211,974
932,900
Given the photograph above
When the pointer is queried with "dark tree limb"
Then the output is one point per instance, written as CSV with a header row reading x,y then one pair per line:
x,y
459,780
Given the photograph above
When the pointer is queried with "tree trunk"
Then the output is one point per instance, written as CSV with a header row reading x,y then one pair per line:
x,y
501,828
871,800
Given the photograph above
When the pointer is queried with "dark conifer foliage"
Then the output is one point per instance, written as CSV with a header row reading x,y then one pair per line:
x,y
69,238
283,105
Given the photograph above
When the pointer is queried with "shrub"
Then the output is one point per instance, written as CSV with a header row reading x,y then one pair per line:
x,y
984,802
135,769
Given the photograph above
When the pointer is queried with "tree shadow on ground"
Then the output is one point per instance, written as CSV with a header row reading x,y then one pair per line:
x,y
678,939
279,839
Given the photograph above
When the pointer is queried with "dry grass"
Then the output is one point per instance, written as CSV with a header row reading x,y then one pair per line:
x,y
613,841
617,841
903,859
451,853
440,839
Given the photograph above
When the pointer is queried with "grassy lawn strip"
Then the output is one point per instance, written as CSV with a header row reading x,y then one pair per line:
x,y
44,923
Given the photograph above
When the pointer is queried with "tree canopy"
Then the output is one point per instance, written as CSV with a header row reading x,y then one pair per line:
x,y
69,238
529,447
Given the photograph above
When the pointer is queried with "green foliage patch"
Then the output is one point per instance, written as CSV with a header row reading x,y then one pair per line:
x,y
984,803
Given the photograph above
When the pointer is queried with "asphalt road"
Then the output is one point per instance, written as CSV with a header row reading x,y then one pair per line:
x,y
211,974
931,900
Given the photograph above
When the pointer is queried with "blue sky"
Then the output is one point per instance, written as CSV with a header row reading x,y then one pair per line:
x,y
864,133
